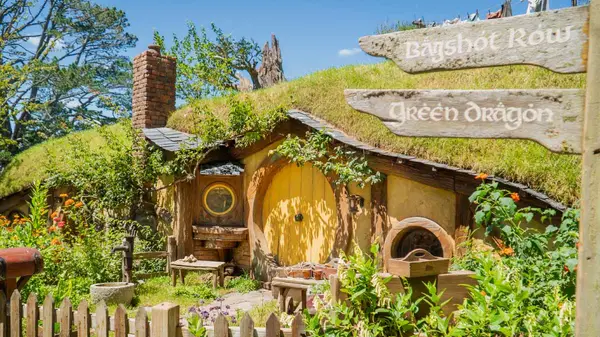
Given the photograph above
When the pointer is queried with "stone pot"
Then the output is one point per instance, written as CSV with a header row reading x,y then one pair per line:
x,y
112,292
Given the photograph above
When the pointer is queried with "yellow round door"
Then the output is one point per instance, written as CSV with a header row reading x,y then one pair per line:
x,y
299,215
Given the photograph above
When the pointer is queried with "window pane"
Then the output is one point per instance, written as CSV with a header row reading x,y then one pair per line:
x,y
219,199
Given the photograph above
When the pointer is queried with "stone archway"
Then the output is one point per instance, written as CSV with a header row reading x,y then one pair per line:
x,y
433,238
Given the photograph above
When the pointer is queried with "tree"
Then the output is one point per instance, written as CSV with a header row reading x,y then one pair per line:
x,y
208,67
61,68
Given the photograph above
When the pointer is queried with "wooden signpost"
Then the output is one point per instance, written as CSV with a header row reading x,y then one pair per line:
x,y
554,39
565,41
553,118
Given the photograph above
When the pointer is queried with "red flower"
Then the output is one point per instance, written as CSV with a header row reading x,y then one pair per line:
x,y
565,268
61,224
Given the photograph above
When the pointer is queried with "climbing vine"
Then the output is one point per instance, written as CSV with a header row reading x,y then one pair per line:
x,y
317,149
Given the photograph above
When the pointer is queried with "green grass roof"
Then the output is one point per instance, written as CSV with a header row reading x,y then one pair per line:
x,y
33,164
321,94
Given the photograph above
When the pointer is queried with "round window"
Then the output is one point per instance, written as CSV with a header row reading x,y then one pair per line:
x,y
219,199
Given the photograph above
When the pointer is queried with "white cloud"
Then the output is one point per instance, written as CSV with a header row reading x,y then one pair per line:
x,y
35,40
349,52
58,44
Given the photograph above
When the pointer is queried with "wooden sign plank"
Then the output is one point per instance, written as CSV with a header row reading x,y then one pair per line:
x,y
552,117
556,40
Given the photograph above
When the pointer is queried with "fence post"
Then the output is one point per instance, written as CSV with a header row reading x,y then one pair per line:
x,y
165,319
273,328
16,313
33,316
3,315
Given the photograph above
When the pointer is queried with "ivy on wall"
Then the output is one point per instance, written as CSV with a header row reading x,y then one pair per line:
x,y
346,165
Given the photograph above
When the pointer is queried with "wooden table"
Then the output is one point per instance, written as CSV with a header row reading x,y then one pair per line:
x,y
214,267
285,284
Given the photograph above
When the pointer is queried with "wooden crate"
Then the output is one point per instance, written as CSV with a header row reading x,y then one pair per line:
x,y
418,263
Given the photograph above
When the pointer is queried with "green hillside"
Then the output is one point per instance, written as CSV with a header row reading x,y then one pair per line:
x,y
321,94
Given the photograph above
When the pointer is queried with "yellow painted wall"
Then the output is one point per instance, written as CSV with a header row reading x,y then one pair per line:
x,y
361,221
302,190
407,198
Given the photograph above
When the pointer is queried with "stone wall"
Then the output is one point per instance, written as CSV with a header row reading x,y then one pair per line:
x,y
153,88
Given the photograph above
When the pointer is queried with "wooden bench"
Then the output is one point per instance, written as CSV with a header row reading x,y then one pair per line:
x,y
285,284
214,267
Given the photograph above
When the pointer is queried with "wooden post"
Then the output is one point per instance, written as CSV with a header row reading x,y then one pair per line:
x,y
3,315
16,314
128,259
165,319
171,251
587,323
33,315
49,318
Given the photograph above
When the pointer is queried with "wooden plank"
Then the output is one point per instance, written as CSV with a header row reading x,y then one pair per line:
x,y
66,318
165,319
247,326
102,325
16,314
273,327
48,317
3,315
199,265
551,117
453,285
298,329
83,320
33,316
221,326
379,215
142,328
463,223
121,322
149,255
552,39
587,323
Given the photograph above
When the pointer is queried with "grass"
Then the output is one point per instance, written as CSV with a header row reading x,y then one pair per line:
x,y
321,94
33,164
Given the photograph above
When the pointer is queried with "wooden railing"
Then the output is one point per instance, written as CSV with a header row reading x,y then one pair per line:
x,y
19,319
169,255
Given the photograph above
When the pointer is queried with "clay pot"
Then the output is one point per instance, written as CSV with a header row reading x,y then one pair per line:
x,y
329,271
306,273
318,275
298,273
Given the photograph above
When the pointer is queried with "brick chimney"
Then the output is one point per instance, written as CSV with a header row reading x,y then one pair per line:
x,y
153,88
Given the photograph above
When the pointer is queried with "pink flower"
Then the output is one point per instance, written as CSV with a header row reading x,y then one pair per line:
x,y
61,224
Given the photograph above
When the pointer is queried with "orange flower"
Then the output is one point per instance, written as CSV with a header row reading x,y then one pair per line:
x,y
51,228
64,195
79,204
69,202
54,215
482,176
483,293
55,242
515,196
578,245
507,252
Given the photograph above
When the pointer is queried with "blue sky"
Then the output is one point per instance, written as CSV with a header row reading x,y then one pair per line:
x,y
312,33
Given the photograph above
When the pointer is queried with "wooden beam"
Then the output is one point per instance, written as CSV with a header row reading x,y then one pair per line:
x,y
463,223
587,323
379,214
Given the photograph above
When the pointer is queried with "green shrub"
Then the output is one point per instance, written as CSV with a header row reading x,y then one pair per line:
x,y
243,284
201,292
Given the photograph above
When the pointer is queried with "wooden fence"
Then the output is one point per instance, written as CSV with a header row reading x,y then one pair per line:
x,y
19,319
169,255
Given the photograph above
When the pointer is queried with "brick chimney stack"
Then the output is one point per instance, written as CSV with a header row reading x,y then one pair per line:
x,y
153,88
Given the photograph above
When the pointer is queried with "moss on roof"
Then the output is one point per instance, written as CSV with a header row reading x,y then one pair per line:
x,y
321,94
33,164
